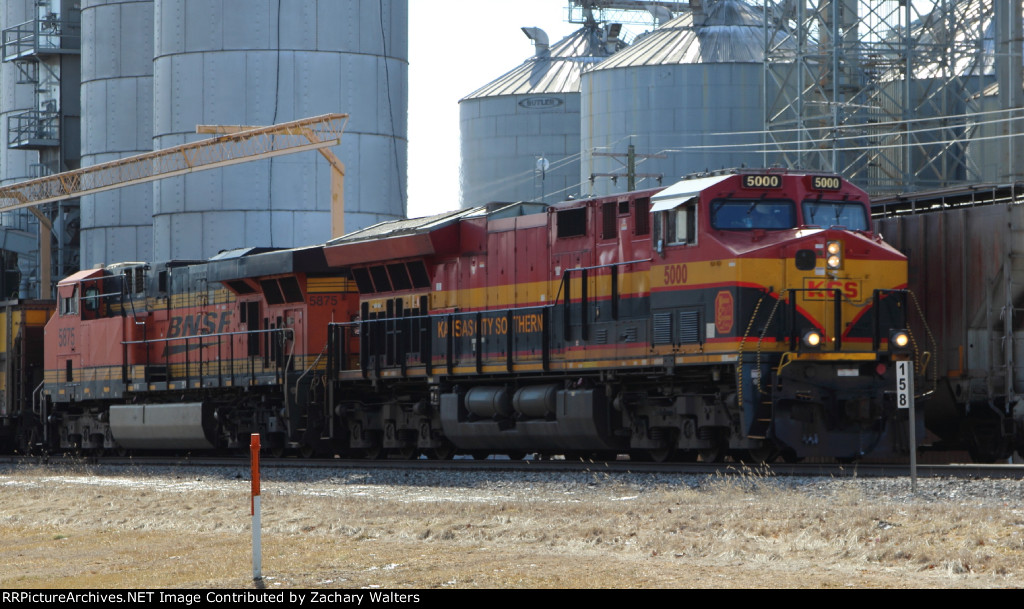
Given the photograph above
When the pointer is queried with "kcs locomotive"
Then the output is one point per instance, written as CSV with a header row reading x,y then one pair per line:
x,y
751,314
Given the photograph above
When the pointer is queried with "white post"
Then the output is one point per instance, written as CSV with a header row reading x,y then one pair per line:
x,y
905,400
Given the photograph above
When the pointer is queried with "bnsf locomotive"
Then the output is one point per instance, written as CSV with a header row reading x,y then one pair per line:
x,y
744,314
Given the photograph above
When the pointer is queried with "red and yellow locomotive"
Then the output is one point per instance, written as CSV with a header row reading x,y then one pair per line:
x,y
749,314
738,313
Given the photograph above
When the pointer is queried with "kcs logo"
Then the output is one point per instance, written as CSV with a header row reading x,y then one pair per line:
x,y
824,289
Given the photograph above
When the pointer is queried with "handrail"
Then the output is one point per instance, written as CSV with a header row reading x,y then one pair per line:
x,y
211,335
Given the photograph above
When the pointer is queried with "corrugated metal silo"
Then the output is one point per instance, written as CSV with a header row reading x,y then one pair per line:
x,y
690,92
261,62
40,123
19,228
117,122
14,163
995,137
990,151
520,134
930,151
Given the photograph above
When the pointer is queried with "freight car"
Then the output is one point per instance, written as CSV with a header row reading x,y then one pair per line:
x,y
966,264
21,373
748,314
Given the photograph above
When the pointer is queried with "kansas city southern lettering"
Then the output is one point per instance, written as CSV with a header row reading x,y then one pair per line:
x,y
491,326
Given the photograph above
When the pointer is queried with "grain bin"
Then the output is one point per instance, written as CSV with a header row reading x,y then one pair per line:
x,y
263,62
520,133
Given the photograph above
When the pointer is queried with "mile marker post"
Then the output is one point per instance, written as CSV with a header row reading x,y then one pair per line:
x,y
905,399
254,448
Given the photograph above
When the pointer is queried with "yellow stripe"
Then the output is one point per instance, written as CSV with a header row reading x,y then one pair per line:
x,y
539,292
323,285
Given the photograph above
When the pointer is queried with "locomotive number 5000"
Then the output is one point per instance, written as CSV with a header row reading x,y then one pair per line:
x,y
675,274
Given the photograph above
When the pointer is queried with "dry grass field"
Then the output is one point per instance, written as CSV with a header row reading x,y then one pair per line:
x,y
77,528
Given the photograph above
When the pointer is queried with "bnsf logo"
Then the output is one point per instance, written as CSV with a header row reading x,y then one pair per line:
x,y
824,289
200,323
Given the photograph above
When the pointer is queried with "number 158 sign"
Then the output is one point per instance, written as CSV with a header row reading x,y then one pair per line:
x,y
904,384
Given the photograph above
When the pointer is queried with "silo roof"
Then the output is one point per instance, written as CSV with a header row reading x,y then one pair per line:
x,y
730,31
554,71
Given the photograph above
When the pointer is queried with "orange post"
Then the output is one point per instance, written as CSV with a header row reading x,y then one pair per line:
x,y
254,448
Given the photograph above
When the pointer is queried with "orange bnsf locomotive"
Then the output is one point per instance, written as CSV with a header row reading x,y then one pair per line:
x,y
743,314
189,355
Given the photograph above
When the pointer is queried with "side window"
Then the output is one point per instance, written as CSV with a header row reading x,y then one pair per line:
x,y
91,300
683,221
69,305
677,226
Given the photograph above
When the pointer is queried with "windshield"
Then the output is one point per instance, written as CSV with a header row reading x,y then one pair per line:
x,y
848,214
749,214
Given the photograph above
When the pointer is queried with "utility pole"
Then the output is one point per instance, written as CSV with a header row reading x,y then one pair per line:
x,y
631,175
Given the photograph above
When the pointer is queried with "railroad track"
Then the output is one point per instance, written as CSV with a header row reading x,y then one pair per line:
x,y
863,470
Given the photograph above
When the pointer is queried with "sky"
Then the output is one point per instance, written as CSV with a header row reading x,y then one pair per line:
x,y
457,47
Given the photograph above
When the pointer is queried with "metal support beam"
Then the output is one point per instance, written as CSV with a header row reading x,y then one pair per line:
x,y
337,169
229,149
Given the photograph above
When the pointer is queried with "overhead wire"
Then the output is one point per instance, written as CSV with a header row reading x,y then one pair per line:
x,y
880,136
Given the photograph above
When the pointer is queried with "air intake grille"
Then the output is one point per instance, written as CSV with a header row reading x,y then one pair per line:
x,y
662,328
689,327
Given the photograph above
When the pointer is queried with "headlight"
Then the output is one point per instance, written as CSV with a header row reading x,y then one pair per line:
x,y
834,255
812,339
899,341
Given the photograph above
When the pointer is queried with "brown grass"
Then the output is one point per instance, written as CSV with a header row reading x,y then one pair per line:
x,y
76,530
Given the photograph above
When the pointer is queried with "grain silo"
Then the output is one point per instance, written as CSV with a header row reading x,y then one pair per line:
x,y
117,118
39,123
520,134
688,97
264,62
921,135
995,142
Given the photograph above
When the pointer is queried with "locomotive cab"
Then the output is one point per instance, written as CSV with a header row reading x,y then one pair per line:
x,y
796,286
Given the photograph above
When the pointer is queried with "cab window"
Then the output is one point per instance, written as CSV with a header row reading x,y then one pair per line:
x,y
750,214
850,215
69,304
677,226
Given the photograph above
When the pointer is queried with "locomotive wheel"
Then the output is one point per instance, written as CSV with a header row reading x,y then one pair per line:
x,y
444,452
661,455
985,442
715,454
789,456
373,453
765,454
480,455
686,456
28,441
516,456
407,453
